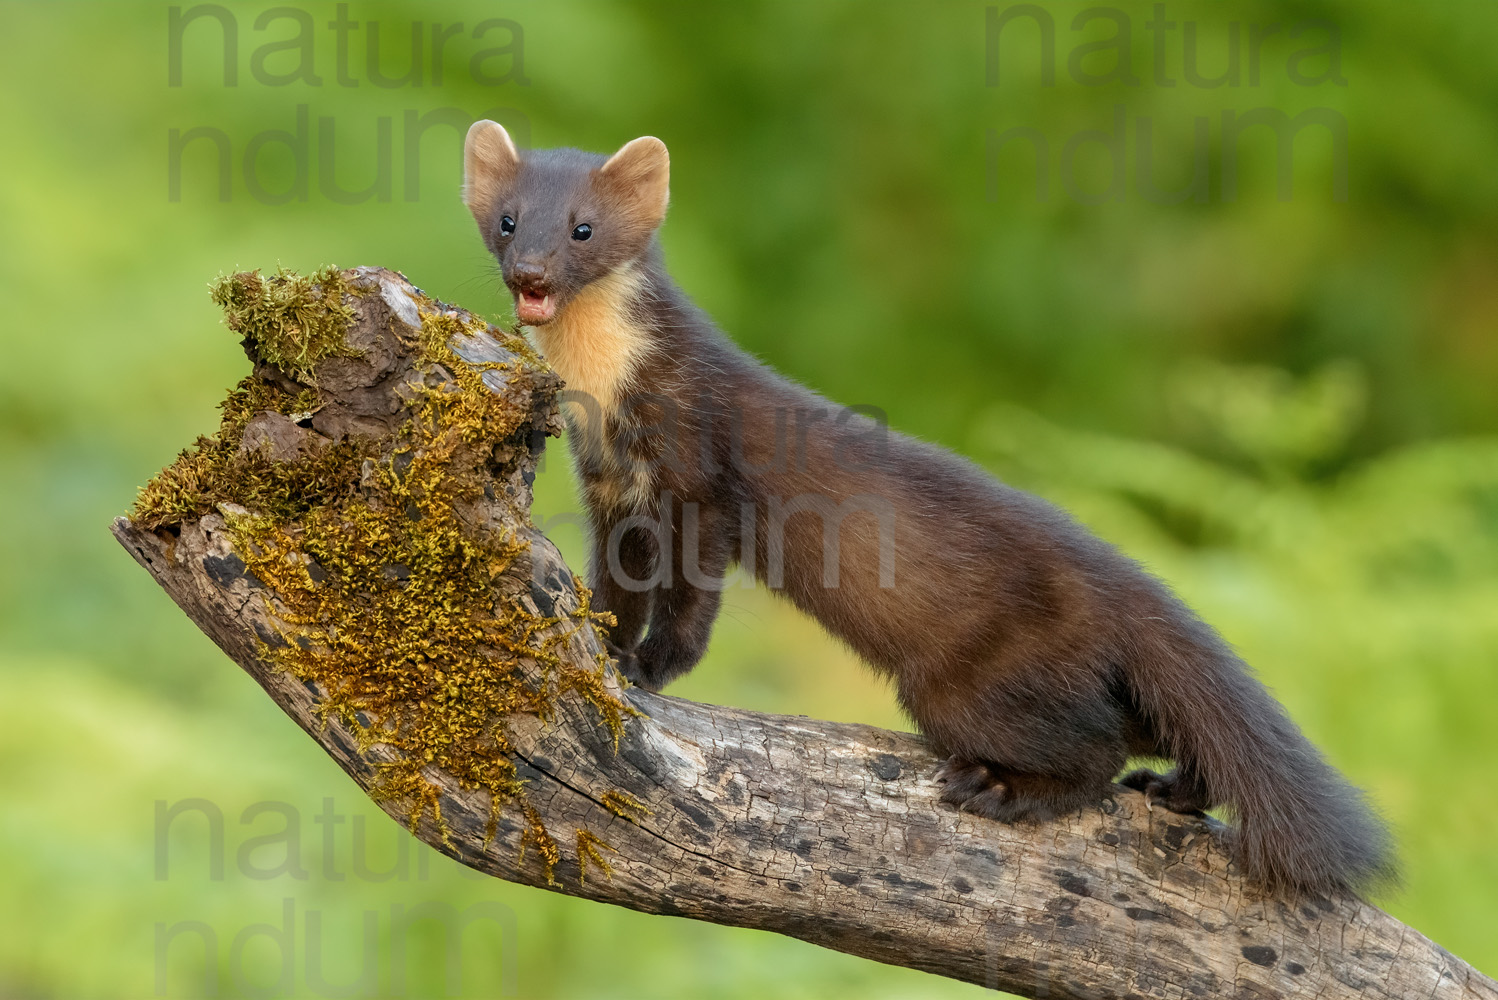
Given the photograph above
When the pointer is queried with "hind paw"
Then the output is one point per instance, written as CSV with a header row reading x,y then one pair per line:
x,y
1174,792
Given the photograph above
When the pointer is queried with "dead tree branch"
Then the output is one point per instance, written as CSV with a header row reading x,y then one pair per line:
x,y
827,832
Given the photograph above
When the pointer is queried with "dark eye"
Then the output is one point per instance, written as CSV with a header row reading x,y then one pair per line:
x,y
582,232
507,226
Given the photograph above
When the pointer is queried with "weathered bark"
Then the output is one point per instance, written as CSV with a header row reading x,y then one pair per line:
x,y
828,832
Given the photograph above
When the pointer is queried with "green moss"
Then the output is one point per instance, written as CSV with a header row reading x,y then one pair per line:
x,y
383,597
213,472
293,321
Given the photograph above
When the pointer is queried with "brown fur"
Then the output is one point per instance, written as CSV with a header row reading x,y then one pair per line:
x,y
1032,654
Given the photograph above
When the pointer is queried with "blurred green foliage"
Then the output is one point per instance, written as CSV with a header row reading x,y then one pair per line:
x,y
1283,406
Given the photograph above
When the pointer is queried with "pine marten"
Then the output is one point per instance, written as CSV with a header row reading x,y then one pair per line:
x,y
1034,657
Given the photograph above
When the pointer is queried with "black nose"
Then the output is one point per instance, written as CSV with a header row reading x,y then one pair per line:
x,y
528,274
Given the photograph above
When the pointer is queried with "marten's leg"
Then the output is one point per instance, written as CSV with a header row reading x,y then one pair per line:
x,y
685,607
1027,748
621,574
1181,791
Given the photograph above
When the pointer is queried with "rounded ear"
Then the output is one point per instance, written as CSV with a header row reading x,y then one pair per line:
x,y
490,163
639,175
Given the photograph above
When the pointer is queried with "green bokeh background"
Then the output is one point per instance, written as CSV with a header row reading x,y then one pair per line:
x,y
1284,405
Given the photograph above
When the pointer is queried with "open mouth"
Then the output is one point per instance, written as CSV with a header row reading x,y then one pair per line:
x,y
533,308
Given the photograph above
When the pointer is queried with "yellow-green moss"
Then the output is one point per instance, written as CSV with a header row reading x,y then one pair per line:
x,y
624,805
212,472
535,835
292,320
588,853
383,598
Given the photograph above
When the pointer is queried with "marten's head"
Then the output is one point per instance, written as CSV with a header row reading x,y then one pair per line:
x,y
560,219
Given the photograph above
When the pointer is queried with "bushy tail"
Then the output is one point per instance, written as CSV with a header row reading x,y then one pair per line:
x,y
1302,828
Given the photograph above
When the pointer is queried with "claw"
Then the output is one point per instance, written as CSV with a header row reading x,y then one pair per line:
x,y
1149,801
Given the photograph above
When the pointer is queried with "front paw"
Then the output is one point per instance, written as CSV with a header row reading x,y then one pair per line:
x,y
973,787
627,663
